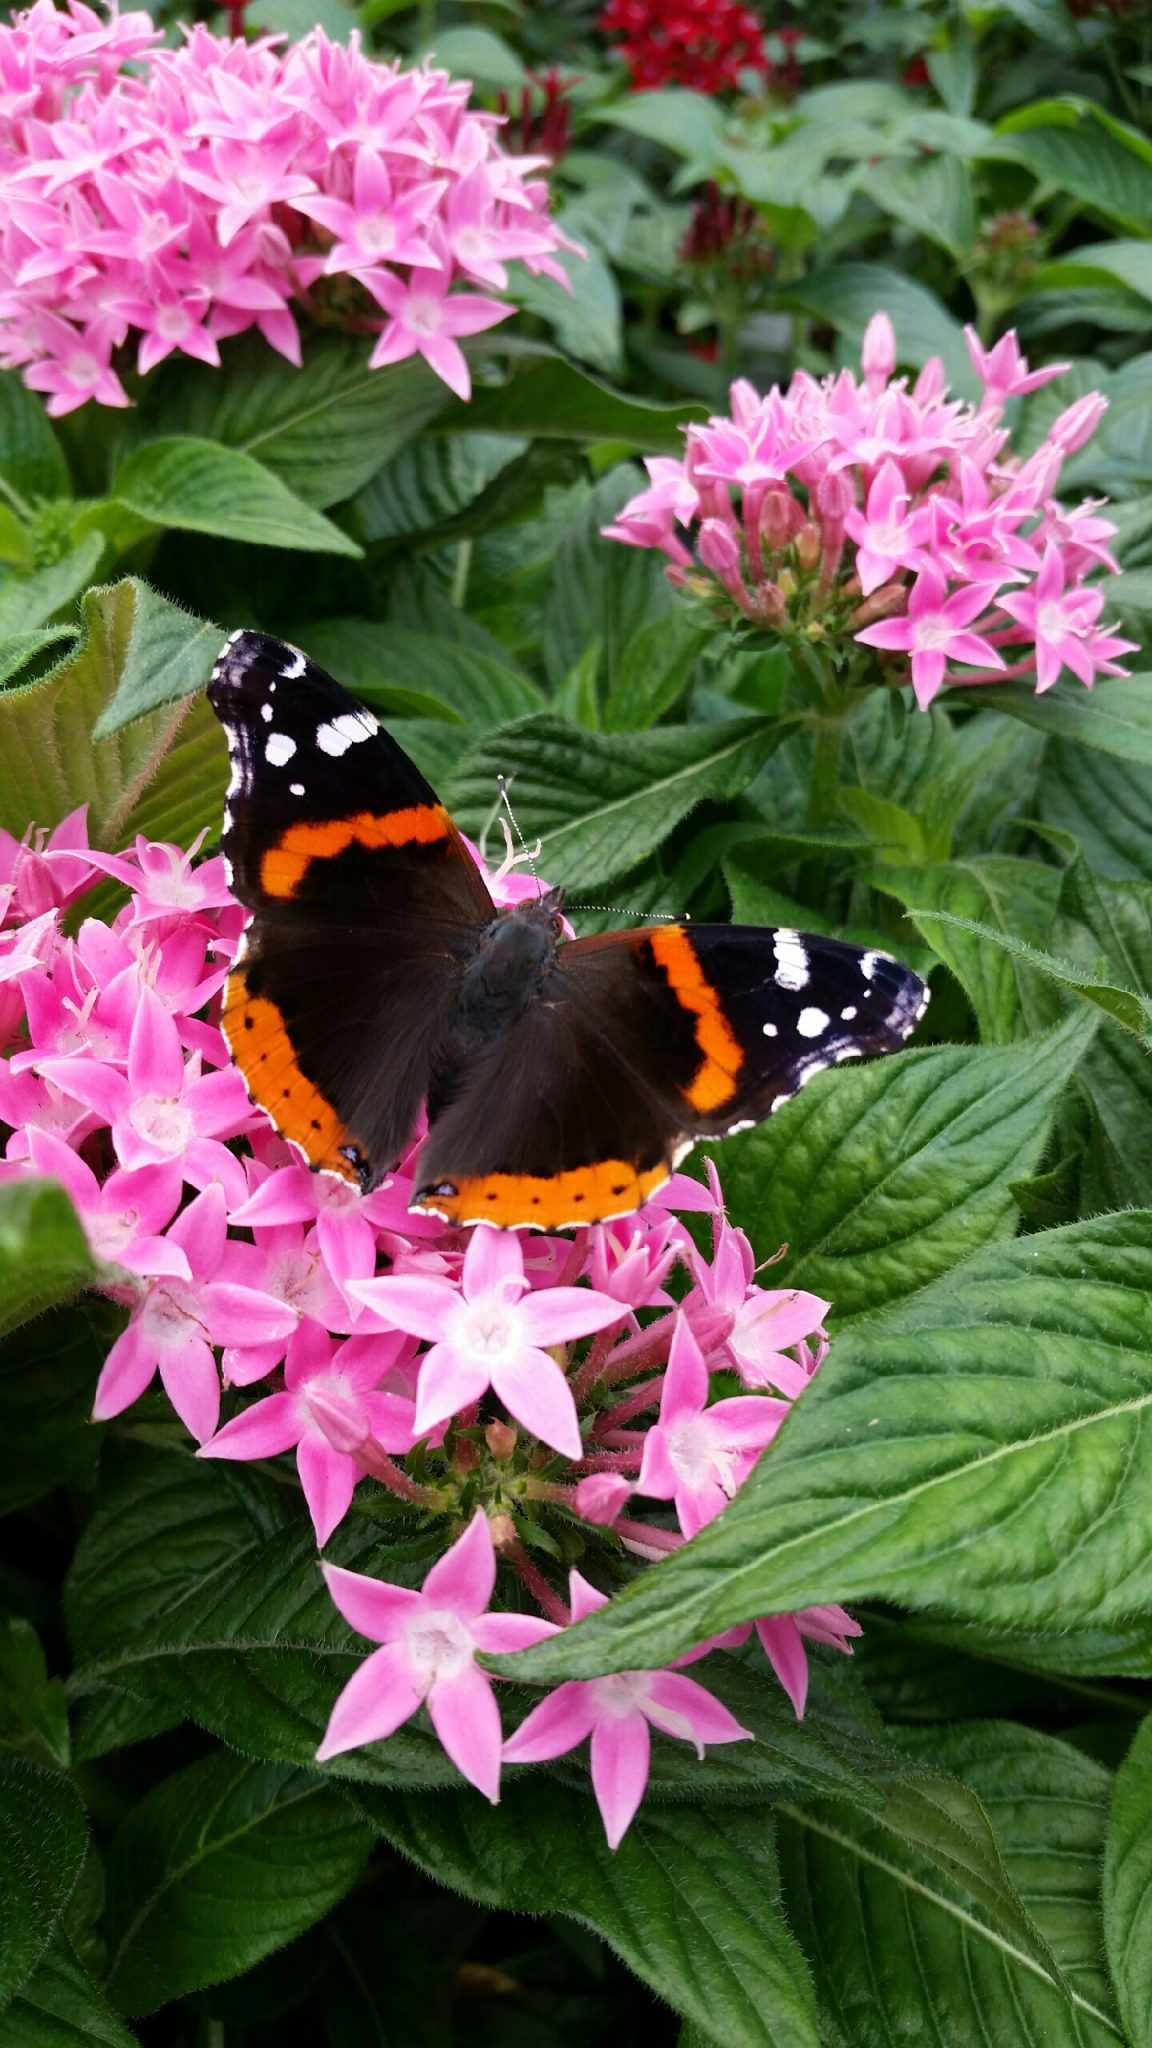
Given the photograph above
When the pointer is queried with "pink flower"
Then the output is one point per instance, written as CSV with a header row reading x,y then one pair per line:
x,y
698,1455
124,1216
48,875
753,1328
331,1410
175,1323
935,631
888,534
426,321
782,1638
1062,622
490,1332
617,1713
1003,371
161,1108
430,1640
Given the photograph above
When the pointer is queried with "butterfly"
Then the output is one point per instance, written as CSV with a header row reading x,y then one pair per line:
x,y
564,1079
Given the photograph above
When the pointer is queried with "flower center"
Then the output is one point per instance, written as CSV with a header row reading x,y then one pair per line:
x,y
1051,623
623,1693
696,1457
439,1644
423,314
488,1329
162,1121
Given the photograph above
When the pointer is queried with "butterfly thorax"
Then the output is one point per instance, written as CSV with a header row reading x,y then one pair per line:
x,y
513,958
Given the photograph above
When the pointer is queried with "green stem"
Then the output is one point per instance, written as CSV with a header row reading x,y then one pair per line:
x,y
825,782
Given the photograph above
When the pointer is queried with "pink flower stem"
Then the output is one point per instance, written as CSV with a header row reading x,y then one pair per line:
x,y
635,1401
550,1490
376,1462
574,1264
608,1461
997,675
594,1365
621,1439
643,1533
532,1578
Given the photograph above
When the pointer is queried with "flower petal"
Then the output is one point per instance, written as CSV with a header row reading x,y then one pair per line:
x,y
262,1431
374,1607
329,1481
467,1720
621,1752
555,1726
464,1578
377,1700
534,1390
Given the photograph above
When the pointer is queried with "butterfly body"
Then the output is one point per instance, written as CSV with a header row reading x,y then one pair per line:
x,y
563,1079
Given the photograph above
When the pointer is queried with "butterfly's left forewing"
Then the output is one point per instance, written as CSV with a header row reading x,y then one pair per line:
x,y
364,902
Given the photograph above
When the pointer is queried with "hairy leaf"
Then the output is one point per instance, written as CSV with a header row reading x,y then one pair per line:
x,y
204,487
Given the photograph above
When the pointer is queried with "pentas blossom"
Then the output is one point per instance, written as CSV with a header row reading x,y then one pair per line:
x,y
157,201
528,1390
870,514
706,44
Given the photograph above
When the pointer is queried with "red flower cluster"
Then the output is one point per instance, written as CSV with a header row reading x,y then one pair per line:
x,y
704,44
540,126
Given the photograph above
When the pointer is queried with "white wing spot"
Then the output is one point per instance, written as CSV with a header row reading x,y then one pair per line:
x,y
266,713
339,734
279,749
770,1031
847,1015
297,788
791,960
810,1023
294,668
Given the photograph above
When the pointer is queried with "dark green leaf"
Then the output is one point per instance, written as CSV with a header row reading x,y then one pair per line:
x,y
548,398
48,1374
42,1843
1104,803
654,671
601,803
217,1867
1068,149
169,655
941,1968
30,455
1010,999
61,2007
881,1178
204,487
690,1905
980,1449
44,1255
18,649
30,601
1123,1005
164,774
599,589
1115,718
847,295
1128,1889
431,480
453,679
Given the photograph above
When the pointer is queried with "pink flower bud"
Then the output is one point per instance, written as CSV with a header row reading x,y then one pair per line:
x,y
932,383
1078,422
809,544
501,1439
719,549
600,1497
835,496
780,517
341,1420
878,355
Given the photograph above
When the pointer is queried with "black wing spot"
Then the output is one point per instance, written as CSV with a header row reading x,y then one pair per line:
x,y
620,1190
315,1123
249,1023
579,1198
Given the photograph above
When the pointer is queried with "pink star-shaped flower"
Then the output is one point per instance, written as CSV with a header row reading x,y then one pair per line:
x,y
935,631
426,319
491,1332
430,1640
697,1455
889,535
1062,621
617,1713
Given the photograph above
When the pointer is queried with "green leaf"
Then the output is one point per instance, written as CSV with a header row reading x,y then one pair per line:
x,y
164,774
586,320
1123,1005
324,429
600,803
847,295
1128,1889
549,399
881,1178
204,487
600,590
688,1904
216,1867
169,656
18,649
1014,896
478,54
1104,804
1113,921
432,480
1115,718
944,1964
44,1255
933,196
30,601
1125,262
42,1844
60,2007
48,1374
981,1449
450,678
1070,150
655,670
690,124
31,459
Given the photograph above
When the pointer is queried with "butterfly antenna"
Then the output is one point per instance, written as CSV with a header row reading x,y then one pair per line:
x,y
531,854
625,910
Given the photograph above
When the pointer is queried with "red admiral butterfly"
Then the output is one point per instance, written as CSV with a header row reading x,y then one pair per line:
x,y
564,1080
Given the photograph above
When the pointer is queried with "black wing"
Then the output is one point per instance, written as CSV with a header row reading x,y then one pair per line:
x,y
365,905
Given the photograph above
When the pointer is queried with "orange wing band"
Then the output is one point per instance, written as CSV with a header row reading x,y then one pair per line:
x,y
562,1201
285,865
261,1048
721,1059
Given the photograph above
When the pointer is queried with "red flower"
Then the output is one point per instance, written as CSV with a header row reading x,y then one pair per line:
x,y
704,44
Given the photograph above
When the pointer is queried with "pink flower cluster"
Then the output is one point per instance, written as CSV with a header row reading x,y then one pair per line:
x,y
186,195
861,511
342,1329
